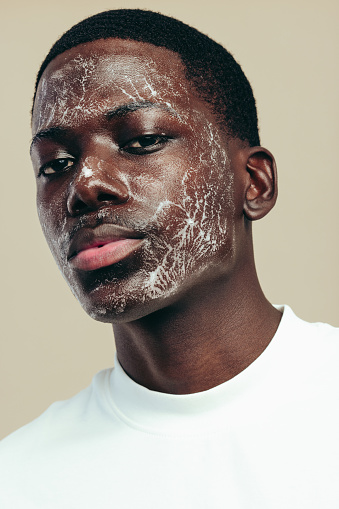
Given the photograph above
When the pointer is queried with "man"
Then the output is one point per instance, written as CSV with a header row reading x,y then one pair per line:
x,y
149,173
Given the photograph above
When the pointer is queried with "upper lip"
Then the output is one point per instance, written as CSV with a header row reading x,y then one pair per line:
x,y
86,238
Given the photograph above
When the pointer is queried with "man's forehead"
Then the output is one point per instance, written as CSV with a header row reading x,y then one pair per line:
x,y
114,58
91,74
103,72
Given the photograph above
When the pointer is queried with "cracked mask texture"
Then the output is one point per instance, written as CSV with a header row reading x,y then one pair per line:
x,y
181,198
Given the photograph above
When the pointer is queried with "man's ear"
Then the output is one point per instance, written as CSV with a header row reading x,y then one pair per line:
x,y
262,191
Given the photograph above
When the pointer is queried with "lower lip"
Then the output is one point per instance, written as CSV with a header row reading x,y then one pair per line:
x,y
98,257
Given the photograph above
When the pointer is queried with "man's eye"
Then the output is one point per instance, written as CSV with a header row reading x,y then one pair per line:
x,y
145,144
56,166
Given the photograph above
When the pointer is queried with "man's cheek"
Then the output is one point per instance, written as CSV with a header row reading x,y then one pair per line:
x,y
52,225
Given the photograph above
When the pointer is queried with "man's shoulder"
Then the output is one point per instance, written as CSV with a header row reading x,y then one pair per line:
x,y
305,330
58,421
321,340
309,349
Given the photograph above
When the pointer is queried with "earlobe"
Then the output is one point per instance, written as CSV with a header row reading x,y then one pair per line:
x,y
261,192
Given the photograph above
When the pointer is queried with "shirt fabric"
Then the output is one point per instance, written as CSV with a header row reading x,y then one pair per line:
x,y
266,439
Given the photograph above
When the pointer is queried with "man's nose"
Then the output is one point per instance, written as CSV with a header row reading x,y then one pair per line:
x,y
93,187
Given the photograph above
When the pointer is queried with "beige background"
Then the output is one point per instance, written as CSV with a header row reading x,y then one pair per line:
x,y
289,50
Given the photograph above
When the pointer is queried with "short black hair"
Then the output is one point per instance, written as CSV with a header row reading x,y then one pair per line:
x,y
210,68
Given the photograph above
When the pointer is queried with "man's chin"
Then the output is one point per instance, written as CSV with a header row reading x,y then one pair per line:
x,y
111,299
123,294
123,310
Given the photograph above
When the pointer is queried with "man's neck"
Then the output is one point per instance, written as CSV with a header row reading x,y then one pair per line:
x,y
198,343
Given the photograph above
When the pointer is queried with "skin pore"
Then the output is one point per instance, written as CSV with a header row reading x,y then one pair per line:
x,y
145,203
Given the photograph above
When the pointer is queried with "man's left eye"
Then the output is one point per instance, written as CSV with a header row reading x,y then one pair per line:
x,y
145,144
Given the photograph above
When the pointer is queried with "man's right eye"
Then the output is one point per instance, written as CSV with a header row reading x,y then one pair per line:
x,y
56,166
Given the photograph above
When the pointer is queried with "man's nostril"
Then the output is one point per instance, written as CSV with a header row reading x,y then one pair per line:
x,y
79,206
106,197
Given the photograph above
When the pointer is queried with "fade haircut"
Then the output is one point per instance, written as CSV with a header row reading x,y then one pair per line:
x,y
209,67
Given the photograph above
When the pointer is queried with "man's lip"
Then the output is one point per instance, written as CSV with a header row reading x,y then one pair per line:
x,y
93,248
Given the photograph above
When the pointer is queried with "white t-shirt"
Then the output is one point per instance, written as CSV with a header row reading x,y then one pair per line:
x,y
266,439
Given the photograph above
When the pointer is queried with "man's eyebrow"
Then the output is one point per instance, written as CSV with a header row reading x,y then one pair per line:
x,y
56,132
52,133
125,109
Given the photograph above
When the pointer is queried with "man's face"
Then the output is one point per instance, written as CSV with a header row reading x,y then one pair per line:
x,y
135,187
